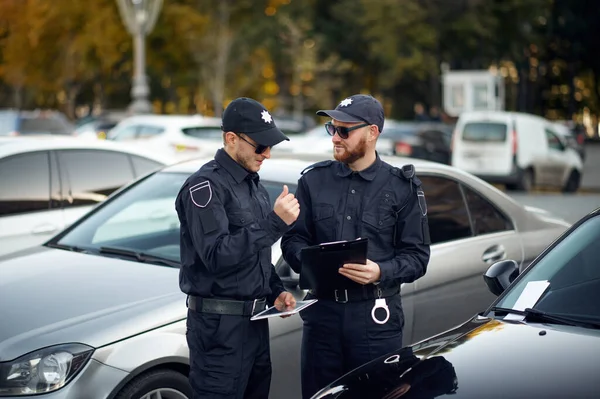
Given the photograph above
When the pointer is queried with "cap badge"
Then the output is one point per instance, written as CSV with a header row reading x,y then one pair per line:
x,y
266,116
346,102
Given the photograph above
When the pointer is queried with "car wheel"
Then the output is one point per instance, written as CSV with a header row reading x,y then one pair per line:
x,y
157,384
526,182
573,182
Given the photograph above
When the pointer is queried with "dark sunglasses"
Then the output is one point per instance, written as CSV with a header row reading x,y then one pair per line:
x,y
258,148
342,131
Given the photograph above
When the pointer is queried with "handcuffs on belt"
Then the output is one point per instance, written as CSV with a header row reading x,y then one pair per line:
x,y
380,303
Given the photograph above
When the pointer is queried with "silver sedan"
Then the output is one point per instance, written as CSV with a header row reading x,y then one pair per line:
x,y
97,312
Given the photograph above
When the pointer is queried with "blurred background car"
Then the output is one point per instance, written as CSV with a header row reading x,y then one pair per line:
x,y
180,137
98,126
516,149
545,313
422,140
33,123
48,183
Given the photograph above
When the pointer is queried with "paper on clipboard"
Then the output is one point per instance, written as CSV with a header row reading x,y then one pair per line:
x,y
273,312
528,298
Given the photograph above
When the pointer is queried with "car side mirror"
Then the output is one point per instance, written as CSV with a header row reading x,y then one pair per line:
x,y
289,278
499,275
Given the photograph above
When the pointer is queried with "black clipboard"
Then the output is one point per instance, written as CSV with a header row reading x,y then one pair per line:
x,y
320,264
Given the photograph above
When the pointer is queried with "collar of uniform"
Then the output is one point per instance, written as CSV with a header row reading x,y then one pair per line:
x,y
367,174
237,171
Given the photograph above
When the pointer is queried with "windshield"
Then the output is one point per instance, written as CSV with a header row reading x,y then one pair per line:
x,y
484,131
573,270
142,219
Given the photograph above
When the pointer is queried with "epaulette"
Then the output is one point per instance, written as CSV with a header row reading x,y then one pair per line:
x,y
321,164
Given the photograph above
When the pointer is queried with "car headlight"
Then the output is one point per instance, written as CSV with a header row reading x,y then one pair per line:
x,y
43,371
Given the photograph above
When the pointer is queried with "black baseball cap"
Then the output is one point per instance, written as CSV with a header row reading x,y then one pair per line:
x,y
248,116
357,108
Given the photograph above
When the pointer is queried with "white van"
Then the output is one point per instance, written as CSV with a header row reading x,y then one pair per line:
x,y
516,149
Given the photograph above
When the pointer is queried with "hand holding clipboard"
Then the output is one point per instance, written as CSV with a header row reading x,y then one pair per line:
x,y
321,264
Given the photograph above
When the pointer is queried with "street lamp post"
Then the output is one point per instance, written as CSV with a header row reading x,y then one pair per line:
x,y
139,17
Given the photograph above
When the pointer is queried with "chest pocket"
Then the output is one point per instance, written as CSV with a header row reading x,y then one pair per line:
x,y
323,213
380,215
239,219
324,222
380,219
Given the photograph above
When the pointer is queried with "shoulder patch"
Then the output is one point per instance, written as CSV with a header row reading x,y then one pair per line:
x,y
321,164
201,194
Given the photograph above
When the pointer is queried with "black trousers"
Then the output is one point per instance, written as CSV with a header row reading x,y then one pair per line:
x,y
338,337
229,356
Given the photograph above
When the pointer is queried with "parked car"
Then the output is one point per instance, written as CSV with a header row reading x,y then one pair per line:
x,y
516,149
114,285
538,339
180,137
41,122
97,126
47,183
423,140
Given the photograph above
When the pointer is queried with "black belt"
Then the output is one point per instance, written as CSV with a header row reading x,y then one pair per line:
x,y
356,294
226,306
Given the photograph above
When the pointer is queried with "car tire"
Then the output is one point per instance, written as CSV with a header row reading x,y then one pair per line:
x,y
170,384
573,182
526,181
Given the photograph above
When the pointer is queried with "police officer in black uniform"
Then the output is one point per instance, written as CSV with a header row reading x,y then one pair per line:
x,y
227,231
358,195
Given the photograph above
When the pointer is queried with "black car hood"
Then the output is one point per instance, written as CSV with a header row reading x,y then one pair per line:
x,y
484,358
53,296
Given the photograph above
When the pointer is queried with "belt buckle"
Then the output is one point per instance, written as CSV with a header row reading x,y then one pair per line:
x,y
337,299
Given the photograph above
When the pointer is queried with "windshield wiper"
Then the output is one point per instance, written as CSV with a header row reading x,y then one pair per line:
x,y
548,317
139,256
72,248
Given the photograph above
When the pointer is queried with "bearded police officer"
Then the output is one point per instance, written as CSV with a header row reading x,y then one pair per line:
x,y
227,231
358,195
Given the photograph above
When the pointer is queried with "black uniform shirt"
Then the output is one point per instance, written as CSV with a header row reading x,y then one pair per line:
x,y
378,203
227,231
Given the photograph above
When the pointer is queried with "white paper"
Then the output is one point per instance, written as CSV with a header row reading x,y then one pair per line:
x,y
528,298
273,312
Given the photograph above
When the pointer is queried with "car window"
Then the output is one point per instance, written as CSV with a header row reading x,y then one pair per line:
x,y
553,141
146,131
203,132
572,270
486,218
123,133
274,189
142,219
141,165
485,131
24,183
446,210
93,175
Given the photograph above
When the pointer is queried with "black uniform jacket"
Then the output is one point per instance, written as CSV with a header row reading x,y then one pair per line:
x,y
382,203
227,231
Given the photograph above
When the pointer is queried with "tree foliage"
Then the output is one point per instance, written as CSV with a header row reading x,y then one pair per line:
x,y
299,55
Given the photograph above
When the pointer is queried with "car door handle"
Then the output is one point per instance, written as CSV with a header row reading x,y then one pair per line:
x,y
44,229
494,254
